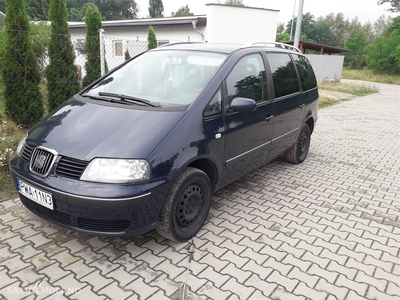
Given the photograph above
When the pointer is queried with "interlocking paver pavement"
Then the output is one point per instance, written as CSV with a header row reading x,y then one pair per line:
x,y
326,229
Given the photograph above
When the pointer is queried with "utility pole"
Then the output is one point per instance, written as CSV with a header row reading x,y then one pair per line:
x,y
298,24
291,27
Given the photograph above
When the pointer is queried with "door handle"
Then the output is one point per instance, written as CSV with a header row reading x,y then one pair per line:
x,y
301,106
269,118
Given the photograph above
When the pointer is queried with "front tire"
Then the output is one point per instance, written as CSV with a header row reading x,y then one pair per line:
x,y
186,206
298,153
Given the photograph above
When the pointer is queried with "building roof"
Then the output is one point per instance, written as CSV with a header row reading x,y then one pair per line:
x,y
322,49
201,20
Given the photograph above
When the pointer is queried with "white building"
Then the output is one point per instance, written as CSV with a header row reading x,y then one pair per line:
x,y
221,24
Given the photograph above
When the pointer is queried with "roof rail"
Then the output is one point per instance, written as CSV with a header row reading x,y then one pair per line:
x,y
275,44
179,43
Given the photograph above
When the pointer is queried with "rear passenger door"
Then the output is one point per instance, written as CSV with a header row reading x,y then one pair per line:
x,y
248,134
288,104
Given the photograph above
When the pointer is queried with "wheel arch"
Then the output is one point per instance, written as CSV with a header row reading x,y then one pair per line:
x,y
310,121
207,166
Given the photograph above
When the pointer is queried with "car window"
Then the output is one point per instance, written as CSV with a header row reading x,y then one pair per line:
x,y
247,79
284,74
214,106
306,72
168,77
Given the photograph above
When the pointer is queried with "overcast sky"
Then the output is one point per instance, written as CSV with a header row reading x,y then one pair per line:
x,y
363,9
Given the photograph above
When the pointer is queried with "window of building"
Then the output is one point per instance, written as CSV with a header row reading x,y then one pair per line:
x,y
118,48
160,43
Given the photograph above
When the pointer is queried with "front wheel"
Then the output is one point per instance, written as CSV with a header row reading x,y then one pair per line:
x,y
186,206
298,153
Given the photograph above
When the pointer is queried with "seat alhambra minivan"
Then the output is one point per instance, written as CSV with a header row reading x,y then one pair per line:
x,y
145,146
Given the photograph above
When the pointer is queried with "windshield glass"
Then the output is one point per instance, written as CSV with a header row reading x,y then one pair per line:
x,y
168,77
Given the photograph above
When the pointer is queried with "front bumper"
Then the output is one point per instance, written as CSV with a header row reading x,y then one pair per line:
x,y
111,212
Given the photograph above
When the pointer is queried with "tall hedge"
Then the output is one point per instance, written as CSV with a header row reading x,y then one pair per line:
x,y
62,74
92,46
151,39
20,71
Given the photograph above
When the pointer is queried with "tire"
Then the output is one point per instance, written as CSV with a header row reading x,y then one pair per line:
x,y
186,206
298,153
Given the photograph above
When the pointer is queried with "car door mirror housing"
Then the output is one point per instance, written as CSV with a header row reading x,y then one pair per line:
x,y
243,105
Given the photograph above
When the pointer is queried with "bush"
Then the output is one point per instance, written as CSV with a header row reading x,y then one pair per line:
x,y
151,38
62,74
20,71
92,46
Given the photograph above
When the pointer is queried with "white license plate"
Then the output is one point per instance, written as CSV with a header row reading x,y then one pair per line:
x,y
35,194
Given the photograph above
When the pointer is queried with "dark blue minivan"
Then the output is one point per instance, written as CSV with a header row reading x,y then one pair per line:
x,y
146,145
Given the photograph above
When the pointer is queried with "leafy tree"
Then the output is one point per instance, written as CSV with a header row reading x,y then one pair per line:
x,y
20,72
183,11
92,46
61,73
156,9
394,3
355,59
151,38
37,9
383,53
110,10
234,2
282,37
3,6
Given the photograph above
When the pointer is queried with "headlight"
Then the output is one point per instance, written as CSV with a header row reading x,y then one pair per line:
x,y
20,145
116,170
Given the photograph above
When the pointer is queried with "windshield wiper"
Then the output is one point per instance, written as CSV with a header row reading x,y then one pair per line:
x,y
128,99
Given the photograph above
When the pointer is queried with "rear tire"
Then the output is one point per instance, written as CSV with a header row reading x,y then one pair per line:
x,y
186,206
298,153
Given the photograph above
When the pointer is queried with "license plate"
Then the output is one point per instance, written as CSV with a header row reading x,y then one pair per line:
x,y
35,194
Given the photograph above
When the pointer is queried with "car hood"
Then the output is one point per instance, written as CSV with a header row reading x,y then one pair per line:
x,y
85,130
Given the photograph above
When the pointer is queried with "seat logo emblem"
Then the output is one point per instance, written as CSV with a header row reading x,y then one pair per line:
x,y
39,161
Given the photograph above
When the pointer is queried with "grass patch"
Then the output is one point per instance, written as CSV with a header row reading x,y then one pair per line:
x,y
326,101
348,88
369,75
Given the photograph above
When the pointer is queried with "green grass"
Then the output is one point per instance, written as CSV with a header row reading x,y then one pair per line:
x,y
354,89
369,75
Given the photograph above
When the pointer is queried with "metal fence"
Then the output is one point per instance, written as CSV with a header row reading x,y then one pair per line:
x,y
112,51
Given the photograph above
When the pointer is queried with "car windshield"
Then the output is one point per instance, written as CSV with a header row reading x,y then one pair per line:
x,y
164,77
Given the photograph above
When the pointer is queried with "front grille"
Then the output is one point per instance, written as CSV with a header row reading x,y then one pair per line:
x,y
103,225
70,167
26,152
41,161
52,215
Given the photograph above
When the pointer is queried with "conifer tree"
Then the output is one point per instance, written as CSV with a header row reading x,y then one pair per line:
x,y
21,75
151,38
92,46
61,73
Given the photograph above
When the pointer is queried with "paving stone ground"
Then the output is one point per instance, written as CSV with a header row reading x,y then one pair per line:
x,y
326,229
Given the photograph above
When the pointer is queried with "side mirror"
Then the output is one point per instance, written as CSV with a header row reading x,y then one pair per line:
x,y
243,105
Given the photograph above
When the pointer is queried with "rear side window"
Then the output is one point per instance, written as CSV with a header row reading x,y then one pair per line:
x,y
283,74
306,72
247,79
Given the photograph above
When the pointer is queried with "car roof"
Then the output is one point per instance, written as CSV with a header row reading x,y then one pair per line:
x,y
227,48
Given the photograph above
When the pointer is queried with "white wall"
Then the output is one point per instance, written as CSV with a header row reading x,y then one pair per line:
x,y
239,25
327,66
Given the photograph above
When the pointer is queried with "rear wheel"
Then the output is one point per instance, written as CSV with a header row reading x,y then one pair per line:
x,y
186,206
298,153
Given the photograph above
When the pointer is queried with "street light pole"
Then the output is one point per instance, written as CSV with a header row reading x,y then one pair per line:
x,y
298,24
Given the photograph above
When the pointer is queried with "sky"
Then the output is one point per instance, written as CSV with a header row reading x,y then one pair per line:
x,y
365,10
